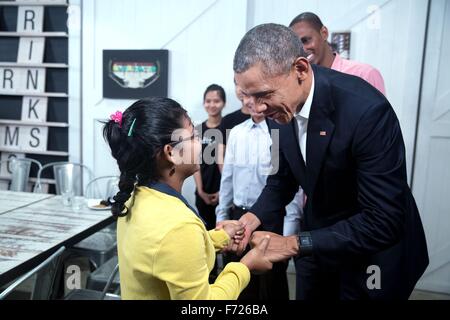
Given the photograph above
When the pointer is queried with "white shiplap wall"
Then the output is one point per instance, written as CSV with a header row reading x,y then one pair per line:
x,y
202,35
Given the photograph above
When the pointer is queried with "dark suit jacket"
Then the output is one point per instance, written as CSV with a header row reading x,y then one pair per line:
x,y
360,210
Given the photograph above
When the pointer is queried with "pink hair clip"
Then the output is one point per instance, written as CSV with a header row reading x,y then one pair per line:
x,y
117,117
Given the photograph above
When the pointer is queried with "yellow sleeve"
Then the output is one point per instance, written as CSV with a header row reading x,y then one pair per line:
x,y
220,238
181,263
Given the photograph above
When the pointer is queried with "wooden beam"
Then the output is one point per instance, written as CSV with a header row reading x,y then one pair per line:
x,y
35,123
26,3
47,153
34,34
36,94
34,65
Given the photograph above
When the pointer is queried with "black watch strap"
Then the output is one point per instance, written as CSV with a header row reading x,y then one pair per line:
x,y
305,244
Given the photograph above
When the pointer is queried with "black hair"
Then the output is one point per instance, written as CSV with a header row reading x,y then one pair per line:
x,y
147,126
310,18
219,89
275,46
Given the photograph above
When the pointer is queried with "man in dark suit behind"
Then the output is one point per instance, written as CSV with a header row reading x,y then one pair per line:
x,y
340,140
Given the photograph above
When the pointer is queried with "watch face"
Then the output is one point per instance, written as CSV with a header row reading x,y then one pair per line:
x,y
306,241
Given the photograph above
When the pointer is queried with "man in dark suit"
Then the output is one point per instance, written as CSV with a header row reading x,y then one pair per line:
x,y
340,140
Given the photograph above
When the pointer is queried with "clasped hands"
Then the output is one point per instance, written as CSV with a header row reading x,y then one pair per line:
x,y
210,199
243,232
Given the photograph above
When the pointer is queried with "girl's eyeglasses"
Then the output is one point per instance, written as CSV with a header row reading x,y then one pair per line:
x,y
195,136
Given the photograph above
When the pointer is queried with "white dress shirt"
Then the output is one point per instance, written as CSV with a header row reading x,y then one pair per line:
x,y
302,120
246,167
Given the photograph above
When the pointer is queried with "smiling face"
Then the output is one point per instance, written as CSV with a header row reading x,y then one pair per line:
x,y
247,108
213,103
314,41
276,97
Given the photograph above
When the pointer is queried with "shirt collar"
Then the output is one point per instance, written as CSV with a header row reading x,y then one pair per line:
x,y
262,125
165,188
306,109
250,124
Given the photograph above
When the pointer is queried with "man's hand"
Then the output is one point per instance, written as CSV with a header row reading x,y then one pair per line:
x,y
251,223
280,248
256,260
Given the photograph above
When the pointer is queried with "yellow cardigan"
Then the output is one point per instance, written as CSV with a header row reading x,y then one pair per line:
x,y
165,252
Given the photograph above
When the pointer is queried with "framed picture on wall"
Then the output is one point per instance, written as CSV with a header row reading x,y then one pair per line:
x,y
135,74
340,42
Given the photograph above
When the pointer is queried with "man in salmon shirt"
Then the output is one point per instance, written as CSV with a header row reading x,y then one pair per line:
x,y
314,35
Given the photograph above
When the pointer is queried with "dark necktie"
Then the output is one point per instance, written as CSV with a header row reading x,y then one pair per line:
x,y
302,165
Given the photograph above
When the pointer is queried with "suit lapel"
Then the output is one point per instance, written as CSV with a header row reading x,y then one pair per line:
x,y
320,127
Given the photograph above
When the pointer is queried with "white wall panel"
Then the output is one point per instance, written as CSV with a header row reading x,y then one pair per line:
x,y
201,36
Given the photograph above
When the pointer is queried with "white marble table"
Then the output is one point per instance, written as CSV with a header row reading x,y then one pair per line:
x,y
28,235
10,200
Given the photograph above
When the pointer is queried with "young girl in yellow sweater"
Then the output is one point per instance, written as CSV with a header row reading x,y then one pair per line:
x,y
164,249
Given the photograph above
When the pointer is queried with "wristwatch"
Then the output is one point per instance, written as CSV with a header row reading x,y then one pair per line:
x,y
305,245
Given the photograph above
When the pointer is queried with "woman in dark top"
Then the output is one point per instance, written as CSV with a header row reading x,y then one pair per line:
x,y
231,120
207,179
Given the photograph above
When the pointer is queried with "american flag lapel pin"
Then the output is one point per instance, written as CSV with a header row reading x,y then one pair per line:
x,y
323,133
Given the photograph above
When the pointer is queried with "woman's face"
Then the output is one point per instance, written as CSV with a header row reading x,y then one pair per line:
x,y
213,103
186,153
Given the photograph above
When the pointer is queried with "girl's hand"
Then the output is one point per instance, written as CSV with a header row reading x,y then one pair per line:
x,y
233,228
